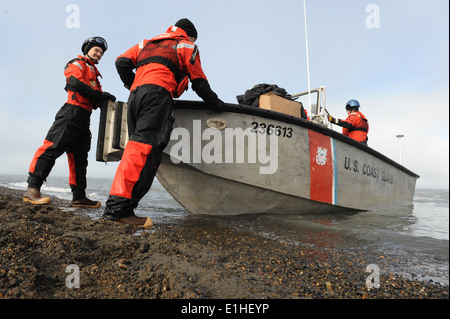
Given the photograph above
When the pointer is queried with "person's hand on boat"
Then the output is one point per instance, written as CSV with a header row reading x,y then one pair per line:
x,y
220,105
108,96
332,119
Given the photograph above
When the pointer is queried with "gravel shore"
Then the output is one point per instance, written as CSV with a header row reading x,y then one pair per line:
x,y
43,247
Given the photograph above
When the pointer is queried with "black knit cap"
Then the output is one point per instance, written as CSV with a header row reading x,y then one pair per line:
x,y
188,27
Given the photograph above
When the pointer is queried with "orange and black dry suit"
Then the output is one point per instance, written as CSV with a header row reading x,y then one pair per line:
x,y
355,126
70,131
163,66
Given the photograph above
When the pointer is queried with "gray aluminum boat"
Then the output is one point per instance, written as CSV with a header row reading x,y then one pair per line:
x,y
251,160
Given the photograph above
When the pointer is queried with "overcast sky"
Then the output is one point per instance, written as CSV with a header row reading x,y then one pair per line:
x,y
393,56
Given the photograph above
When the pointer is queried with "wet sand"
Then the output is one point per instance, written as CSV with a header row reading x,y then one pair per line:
x,y
185,261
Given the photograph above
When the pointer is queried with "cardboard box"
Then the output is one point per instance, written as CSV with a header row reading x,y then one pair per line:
x,y
271,101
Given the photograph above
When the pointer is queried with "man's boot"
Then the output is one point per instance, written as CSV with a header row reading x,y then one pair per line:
x,y
85,202
33,196
144,222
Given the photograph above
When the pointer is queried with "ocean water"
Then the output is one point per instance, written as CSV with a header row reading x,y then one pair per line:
x,y
412,239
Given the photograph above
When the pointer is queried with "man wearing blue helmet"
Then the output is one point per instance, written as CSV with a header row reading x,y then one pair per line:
x,y
356,125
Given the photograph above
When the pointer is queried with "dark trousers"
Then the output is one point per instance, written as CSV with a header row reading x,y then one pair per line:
x,y
149,127
69,133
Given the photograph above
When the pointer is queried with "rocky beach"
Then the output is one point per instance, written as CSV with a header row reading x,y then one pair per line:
x,y
48,252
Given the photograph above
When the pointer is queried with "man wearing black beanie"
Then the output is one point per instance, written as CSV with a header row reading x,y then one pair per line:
x,y
188,27
164,66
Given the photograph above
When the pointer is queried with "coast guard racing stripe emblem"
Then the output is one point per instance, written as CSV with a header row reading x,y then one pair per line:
x,y
322,168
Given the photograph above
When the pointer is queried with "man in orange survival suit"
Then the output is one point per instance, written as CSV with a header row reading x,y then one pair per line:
x,y
163,65
70,131
356,125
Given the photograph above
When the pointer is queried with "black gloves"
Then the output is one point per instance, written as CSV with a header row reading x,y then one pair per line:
x,y
332,119
220,105
108,96
104,98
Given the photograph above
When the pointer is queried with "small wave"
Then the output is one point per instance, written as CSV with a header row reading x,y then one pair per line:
x,y
55,189
22,185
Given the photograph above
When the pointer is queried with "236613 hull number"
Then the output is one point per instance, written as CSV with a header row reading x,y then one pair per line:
x,y
263,128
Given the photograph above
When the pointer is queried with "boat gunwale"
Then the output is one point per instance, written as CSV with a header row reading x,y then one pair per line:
x,y
269,114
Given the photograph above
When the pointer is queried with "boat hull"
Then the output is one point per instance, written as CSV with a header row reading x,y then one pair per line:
x,y
311,172
246,160
201,193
